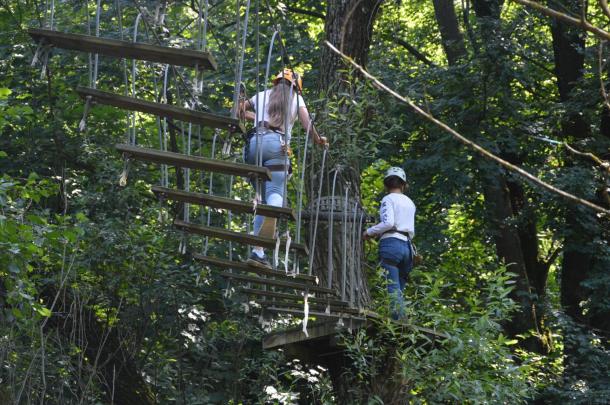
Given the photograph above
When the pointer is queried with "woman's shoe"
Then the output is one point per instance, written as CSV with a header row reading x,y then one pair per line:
x,y
257,261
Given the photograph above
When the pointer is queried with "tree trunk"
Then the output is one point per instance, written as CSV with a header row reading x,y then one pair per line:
x,y
451,36
568,51
348,26
513,228
509,249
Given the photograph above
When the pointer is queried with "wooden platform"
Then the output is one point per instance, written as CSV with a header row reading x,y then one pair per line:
x,y
194,162
314,314
223,203
245,268
125,49
296,298
316,331
238,237
369,320
278,283
162,110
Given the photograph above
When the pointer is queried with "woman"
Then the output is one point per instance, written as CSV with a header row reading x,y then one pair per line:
x,y
274,112
395,230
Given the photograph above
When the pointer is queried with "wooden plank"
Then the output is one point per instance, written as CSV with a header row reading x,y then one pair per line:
x,y
223,203
296,298
316,330
162,110
278,283
312,306
268,227
317,314
245,268
194,162
125,49
238,237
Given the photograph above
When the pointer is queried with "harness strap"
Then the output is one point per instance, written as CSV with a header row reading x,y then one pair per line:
x,y
396,231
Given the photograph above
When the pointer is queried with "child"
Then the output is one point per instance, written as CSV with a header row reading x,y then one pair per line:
x,y
395,230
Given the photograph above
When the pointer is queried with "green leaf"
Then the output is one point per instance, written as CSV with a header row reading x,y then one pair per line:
x,y
44,311
4,92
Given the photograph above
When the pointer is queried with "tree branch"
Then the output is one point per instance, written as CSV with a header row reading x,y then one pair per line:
x,y
310,13
579,22
482,151
411,49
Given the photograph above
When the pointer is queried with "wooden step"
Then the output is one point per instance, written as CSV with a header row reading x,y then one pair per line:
x,y
312,306
194,162
162,110
238,237
125,49
296,298
245,268
278,283
316,314
223,203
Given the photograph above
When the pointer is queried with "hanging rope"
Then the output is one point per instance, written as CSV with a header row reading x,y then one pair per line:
x,y
331,223
344,240
315,226
133,136
210,191
82,126
240,58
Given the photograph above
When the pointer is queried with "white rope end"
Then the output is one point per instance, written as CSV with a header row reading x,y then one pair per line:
x,y
124,174
288,241
305,314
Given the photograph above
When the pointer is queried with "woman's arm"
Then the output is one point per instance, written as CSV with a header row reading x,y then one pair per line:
x,y
246,110
306,123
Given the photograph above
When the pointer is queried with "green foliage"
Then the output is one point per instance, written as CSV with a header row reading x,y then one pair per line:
x,y
78,253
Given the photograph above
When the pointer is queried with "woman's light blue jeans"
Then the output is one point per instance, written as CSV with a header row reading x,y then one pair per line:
x,y
272,154
396,258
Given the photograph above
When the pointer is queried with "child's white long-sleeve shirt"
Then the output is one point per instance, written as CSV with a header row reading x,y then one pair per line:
x,y
397,212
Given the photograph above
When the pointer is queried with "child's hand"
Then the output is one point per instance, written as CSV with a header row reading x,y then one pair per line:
x,y
366,236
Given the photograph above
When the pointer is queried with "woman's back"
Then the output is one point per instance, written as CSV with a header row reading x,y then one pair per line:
x,y
282,95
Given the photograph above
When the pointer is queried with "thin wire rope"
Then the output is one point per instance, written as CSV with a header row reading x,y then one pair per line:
x,y
165,124
52,15
302,185
344,250
124,62
240,62
315,223
354,256
177,74
359,255
98,11
133,78
259,150
210,191
331,223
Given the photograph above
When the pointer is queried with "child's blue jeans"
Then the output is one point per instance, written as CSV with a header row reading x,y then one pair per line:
x,y
396,258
